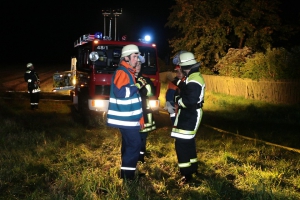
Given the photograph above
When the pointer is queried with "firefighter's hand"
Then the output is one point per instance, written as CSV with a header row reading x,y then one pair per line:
x,y
141,82
179,82
169,107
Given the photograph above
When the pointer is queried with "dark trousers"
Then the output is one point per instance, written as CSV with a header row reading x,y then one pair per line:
x,y
34,99
143,146
186,152
130,151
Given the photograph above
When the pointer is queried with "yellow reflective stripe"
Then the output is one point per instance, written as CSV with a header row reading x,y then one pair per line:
x,y
182,136
181,103
185,132
149,93
183,165
193,160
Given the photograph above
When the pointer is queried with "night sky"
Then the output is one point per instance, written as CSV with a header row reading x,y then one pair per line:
x,y
44,31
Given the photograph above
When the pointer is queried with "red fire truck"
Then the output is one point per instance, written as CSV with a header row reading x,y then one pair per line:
x,y
95,60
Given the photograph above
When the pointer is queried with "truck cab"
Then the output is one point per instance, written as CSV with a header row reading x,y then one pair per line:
x,y
95,60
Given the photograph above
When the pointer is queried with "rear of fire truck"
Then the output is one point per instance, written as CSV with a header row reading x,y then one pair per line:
x,y
96,59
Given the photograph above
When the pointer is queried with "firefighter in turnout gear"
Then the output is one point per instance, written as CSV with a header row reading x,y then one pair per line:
x,y
125,109
145,92
190,102
33,80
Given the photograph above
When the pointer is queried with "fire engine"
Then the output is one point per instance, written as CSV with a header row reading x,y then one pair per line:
x,y
95,60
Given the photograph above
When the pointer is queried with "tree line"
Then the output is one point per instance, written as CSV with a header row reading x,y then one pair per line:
x,y
210,28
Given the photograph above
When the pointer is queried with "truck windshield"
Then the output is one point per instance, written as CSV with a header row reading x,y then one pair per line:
x,y
109,58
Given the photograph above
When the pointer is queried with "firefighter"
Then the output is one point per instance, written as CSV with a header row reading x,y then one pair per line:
x,y
33,81
190,102
145,93
125,109
172,91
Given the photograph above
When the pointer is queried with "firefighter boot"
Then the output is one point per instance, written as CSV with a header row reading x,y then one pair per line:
x,y
32,107
36,106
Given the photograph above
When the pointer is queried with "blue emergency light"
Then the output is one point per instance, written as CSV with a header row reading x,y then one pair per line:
x,y
98,35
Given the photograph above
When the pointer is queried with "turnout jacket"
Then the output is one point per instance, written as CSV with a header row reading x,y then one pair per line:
x,y
125,106
190,104
33,81
145,93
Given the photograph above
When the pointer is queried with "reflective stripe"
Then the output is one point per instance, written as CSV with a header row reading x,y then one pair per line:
x,y
150,126
125,102
193,160
36,90
29,80
183,165
123,123
178,135
128,168
130,113
180,103
185,132
173,115
141,152
127,94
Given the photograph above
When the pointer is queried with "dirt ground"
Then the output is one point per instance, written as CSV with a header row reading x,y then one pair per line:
x,y
12,77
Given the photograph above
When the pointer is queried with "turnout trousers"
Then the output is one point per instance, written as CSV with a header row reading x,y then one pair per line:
x,y
143,146
34,99
186,155
130,151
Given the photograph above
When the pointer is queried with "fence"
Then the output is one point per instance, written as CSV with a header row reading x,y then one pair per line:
x,y
279,92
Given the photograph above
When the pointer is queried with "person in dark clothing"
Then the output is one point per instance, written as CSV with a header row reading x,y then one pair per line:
x,y
33,80
188,119
145,93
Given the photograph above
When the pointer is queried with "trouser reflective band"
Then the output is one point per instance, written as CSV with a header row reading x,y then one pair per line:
x,y
194,160
173,115
128,168
182,165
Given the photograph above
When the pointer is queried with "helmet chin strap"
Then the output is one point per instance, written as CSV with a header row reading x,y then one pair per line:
x,y
194,66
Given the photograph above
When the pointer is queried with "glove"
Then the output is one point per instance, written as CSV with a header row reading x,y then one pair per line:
x,y
141,82
169,107
180,83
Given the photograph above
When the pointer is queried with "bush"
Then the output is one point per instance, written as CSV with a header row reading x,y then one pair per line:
x,y
274,64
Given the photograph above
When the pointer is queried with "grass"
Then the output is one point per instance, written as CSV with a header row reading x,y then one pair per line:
x,y
50,154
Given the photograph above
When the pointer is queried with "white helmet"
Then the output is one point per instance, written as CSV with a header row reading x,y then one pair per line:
x,y
129,49
186,59
29,65
141,59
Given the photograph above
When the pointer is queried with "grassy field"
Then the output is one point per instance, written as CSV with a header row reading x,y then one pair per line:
x,y
246,150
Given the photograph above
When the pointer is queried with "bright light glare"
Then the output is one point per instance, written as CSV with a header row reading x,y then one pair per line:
x,y
99,103
147,38
154,103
